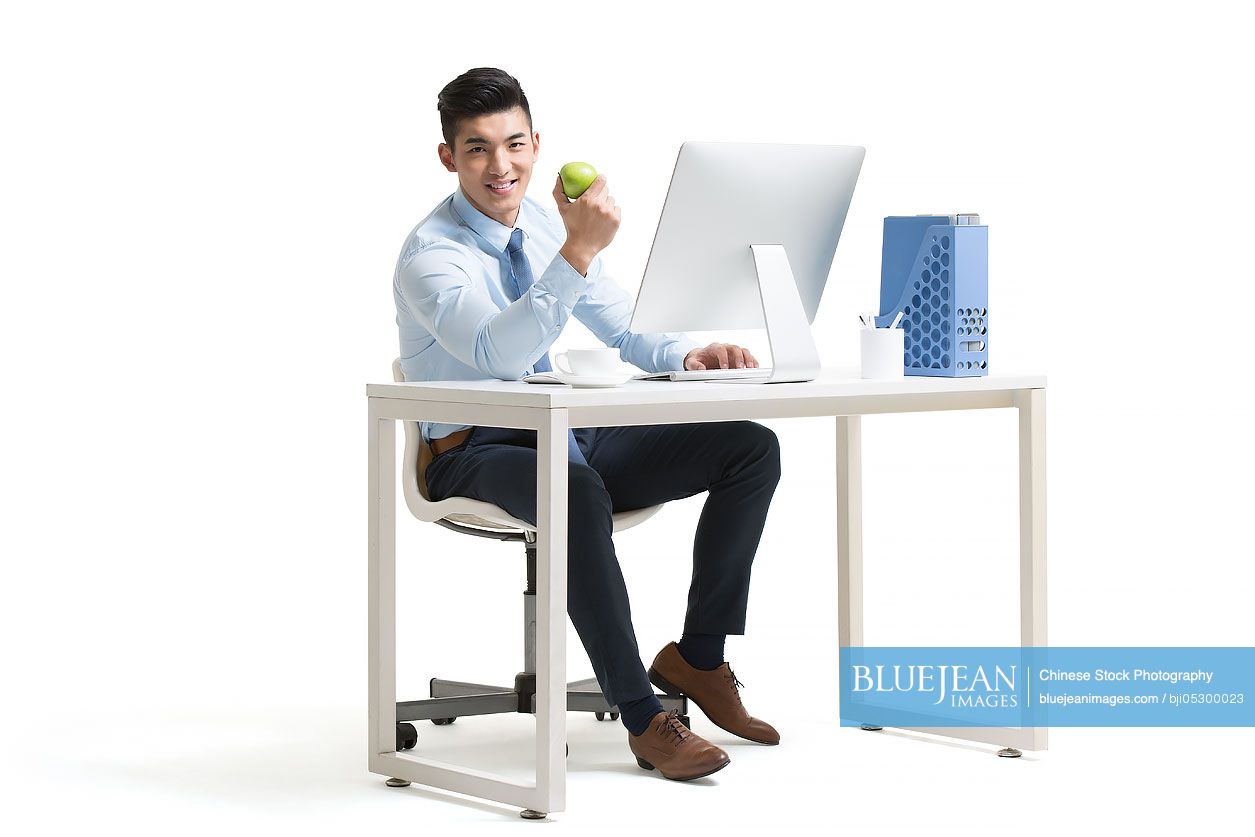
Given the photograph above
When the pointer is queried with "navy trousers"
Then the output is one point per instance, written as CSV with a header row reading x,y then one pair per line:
x,y
738,463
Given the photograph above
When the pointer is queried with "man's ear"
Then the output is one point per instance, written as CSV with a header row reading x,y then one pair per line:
x,y
535,146
446,157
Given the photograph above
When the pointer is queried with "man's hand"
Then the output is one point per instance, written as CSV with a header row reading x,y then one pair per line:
x,y
591,222
720,356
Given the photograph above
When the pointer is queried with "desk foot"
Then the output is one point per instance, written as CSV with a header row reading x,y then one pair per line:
x,y
397,783
1009,753
869,727
529,814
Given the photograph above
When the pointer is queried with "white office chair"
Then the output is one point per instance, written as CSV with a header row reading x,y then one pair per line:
x,y
451,699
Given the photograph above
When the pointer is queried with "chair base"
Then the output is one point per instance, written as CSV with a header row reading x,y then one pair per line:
x,y
456,698
452,699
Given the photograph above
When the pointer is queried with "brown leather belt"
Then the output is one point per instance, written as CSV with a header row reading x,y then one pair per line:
x,y
439,446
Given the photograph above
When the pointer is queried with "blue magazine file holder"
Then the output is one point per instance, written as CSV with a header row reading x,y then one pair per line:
x,y
936,272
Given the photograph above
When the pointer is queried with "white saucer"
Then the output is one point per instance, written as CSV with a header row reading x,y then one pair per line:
x,y
616,380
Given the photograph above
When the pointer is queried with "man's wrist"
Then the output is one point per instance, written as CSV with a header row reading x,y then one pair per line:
x,y
577,258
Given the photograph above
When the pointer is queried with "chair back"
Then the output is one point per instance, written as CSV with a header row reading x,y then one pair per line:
x,y
460,510
417,452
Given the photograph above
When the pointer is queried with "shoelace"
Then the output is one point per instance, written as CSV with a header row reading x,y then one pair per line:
x,y
731,675
671,725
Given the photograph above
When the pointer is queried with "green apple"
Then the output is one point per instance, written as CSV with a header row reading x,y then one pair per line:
x,y
576,178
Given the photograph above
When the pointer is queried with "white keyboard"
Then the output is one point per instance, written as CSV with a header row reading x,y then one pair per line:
x,y
706,375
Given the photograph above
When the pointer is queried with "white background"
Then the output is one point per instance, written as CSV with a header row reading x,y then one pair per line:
x,y
202,206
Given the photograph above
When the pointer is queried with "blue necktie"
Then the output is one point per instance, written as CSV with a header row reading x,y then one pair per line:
x,y
520,280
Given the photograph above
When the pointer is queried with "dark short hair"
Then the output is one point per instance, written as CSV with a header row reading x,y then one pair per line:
x,y
478,92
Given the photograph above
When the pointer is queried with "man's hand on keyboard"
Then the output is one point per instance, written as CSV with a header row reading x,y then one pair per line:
x,y
720,356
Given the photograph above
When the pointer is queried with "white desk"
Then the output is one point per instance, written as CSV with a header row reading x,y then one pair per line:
x,y
551,410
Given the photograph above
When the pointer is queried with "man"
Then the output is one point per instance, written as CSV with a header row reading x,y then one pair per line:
x,y
483,287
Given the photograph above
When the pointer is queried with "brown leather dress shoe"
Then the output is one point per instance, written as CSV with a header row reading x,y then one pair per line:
x,y
675,750
715,692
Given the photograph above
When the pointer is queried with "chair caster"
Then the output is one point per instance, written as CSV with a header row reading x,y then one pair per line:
x,y
407,737
529,814
601,716
440,722
397,783
1009,753
869,727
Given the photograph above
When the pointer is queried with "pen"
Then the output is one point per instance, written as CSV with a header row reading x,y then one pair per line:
x,y
897,320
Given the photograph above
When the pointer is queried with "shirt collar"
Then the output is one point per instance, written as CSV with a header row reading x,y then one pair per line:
x,y
495,233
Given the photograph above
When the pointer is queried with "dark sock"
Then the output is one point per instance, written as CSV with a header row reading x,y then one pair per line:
x,y
702,651
636,714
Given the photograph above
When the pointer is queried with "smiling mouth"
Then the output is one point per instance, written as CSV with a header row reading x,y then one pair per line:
x,y
506,189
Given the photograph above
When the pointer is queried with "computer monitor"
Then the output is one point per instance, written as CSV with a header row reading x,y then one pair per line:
x,y
746,240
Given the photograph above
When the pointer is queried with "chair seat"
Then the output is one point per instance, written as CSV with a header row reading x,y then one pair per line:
x,y
481,515
463,510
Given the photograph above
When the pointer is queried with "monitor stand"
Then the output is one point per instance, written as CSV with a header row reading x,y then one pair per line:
x,y
794,357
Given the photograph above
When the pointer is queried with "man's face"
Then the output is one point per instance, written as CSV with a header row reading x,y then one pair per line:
x,y
498,149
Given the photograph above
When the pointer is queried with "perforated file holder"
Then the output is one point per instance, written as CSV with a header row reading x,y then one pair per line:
x,y
935,270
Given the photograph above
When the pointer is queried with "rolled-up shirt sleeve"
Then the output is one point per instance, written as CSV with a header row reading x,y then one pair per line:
x,y
606,308
435,284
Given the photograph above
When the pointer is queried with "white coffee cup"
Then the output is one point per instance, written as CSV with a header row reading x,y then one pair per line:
x,y
881,350
588,362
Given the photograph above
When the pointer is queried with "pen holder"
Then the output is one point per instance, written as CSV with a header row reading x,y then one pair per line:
x,y
880,352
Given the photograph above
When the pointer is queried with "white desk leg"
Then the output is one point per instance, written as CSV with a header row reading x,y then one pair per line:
x,y
1032,414
850,529
551,595
381,585
850,532
1032,433
547,793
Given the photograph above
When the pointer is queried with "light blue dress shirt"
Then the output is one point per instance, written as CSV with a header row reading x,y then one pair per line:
x,y
457,321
